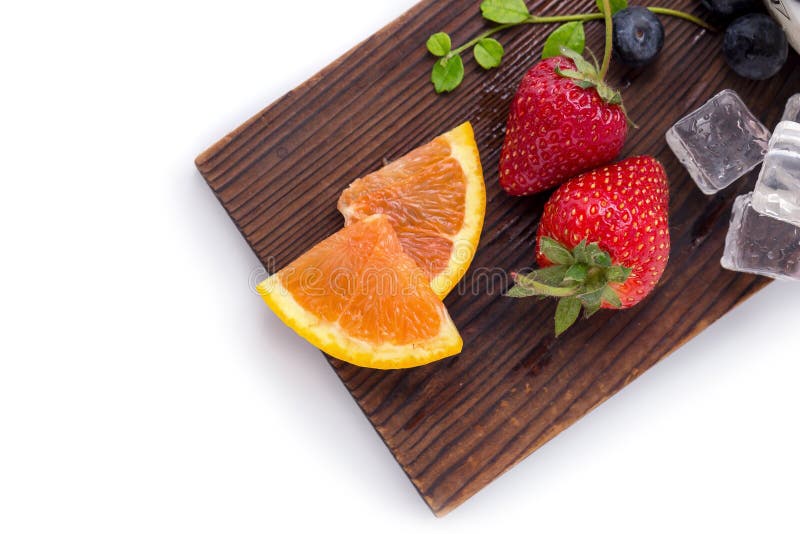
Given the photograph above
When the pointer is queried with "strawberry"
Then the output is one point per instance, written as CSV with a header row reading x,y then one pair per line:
x,y
603,240
564,120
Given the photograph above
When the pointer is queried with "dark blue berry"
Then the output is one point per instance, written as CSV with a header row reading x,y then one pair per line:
x,y
755,46
638,36
729,8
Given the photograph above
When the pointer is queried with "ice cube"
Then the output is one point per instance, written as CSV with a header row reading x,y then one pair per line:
x,y
792,110
786,137
777,191
719,142
760,244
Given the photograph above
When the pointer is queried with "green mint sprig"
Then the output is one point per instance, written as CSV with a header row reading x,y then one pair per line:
x,y
570,35
616,5
448,71
505,11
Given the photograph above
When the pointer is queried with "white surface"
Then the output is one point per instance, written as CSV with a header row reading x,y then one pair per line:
x,y
145,388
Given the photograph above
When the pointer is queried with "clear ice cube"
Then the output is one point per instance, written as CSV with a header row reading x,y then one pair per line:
x,y
719,142
760,244
792,111
777,191
786,137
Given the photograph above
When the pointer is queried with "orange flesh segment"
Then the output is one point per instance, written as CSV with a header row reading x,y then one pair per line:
x,y
425,195
356,277
358,297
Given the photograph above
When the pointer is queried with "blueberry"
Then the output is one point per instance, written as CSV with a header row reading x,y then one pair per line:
x,y
755,47
638,36
729,8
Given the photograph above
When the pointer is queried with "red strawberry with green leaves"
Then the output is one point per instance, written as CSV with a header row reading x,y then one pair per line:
x,y
603,241
564,120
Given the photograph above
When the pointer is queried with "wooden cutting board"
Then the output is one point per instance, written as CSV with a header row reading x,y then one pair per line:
x,y
457,424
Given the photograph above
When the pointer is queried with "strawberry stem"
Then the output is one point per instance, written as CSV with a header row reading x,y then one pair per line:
x,y
609,21
579,277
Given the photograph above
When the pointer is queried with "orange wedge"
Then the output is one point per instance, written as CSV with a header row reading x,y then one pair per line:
x,y
358,297
435,198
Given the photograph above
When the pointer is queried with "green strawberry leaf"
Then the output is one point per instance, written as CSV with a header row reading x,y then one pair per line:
x,y
616,5
555,251
505,11
610,296
567,313
588,311
618,273
593,283
591,302
577,273
439,44
609,95
551,276
594,59
488,53
570,35
581,63
580,279
548,290
581,253
580,79
520,292
447,74
601,259
598,255
587,76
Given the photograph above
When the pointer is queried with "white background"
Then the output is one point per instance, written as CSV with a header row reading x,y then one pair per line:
x,y
145,388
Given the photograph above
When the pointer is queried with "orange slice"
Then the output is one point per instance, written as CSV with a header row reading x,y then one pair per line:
x,y
435,199
358,297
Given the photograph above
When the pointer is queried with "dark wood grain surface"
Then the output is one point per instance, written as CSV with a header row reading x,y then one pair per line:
x,y
457,424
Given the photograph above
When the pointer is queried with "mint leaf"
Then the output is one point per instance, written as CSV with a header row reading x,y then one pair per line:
x,y
439,44
505,11
569,35
447,74
567,313
555,251
488,53
616,5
